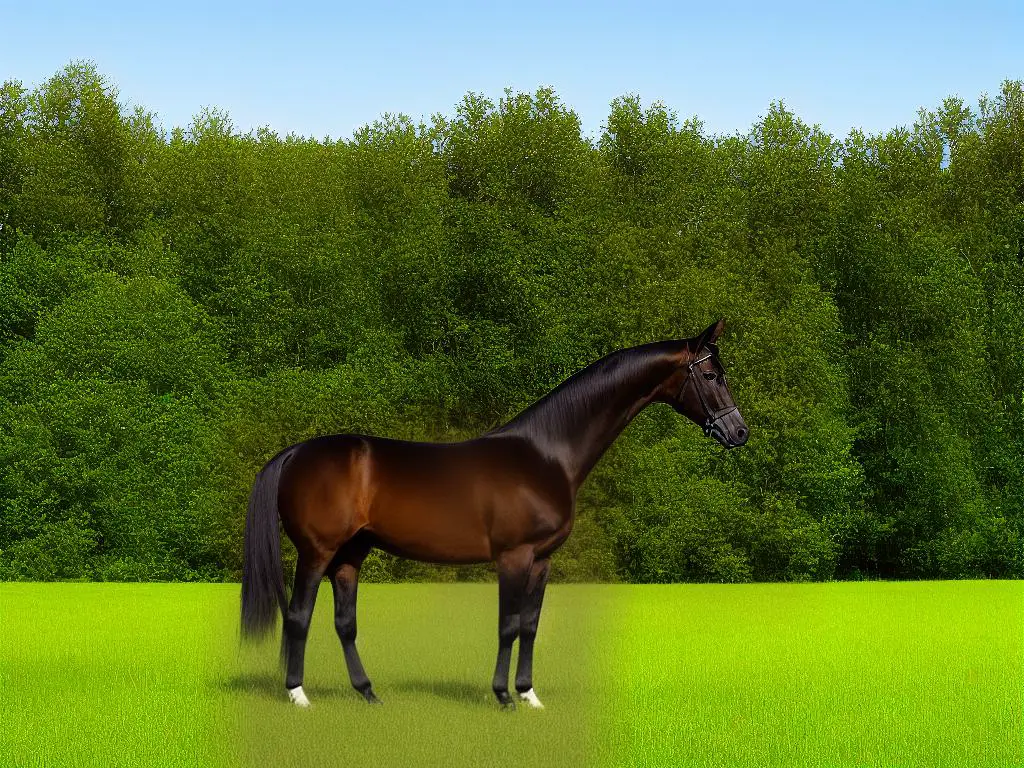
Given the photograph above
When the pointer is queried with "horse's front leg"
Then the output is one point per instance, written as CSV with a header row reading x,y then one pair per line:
x,y
513,576
529,618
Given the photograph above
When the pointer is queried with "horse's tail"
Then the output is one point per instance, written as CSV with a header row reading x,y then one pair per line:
x,y
262,573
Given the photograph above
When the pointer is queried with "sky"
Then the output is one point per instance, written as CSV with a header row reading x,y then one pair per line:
x,y
324,69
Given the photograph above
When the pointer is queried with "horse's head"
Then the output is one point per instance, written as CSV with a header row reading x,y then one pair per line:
x,y
699,391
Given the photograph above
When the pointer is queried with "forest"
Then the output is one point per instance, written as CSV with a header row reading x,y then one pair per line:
x,y
177,305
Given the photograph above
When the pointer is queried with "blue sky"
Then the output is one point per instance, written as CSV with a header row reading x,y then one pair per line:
x,y
324,69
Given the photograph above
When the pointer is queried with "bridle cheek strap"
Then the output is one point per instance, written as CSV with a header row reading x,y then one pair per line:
x,y
711,417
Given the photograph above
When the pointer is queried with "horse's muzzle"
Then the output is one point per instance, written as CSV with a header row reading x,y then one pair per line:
x,y
729,430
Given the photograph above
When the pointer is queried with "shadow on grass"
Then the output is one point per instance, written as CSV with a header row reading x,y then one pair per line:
x,y
269,686
272,687
452,690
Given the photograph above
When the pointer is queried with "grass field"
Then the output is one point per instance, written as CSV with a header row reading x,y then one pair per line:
x,y
110,674
867,674
850,674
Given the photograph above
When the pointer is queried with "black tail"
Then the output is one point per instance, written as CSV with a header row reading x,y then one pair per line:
x,y
262,574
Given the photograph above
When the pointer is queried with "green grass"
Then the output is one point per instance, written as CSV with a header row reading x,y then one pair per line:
x,y
873,674
853,674
429,650
108,674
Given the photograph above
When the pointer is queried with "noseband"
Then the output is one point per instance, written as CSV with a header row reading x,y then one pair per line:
x,y
711,418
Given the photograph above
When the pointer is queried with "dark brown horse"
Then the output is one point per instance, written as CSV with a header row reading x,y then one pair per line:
x,y
507,497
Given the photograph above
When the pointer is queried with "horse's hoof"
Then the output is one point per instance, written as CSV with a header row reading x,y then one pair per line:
x,y
298,697
531,699
506,701
371,697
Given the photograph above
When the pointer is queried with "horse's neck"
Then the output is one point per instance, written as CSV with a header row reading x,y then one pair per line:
x,y
584,446
578,432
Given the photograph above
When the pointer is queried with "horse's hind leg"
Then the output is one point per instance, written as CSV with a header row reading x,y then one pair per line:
x,y
345,581
308,573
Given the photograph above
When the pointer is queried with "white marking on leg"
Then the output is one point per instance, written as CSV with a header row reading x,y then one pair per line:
x,y
531,698
298,697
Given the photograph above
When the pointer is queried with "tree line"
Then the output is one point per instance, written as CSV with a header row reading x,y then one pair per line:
x,y
175,307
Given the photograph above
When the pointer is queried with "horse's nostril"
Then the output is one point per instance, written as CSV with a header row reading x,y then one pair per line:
x,y
741,433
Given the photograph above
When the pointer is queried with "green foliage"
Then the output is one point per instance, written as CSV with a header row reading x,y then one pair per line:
x,y
76,160
176,308
141,329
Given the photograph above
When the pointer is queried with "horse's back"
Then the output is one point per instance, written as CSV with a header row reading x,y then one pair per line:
x,y
431,501
441,502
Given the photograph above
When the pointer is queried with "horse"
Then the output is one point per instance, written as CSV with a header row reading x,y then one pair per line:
x,y
507,497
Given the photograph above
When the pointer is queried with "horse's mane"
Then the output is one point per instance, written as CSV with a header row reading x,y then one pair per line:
x,y
584,394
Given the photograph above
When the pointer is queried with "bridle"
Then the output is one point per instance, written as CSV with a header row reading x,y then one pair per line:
x,y
711,418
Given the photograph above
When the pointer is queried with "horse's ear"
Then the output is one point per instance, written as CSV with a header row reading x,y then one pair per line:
x,y
711,333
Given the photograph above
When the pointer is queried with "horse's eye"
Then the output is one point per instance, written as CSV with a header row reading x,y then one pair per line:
x,y
710,375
